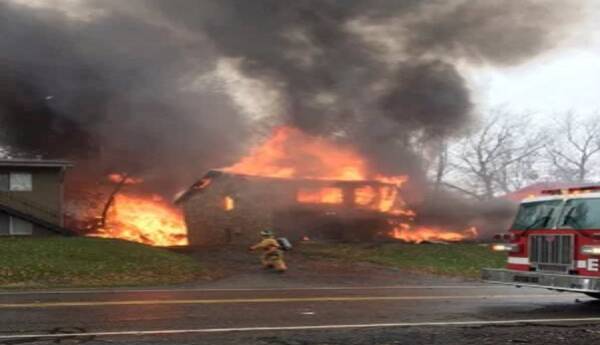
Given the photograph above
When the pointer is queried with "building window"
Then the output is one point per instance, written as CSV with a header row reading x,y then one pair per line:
x,y
326,195
21,182
4,182
229,203
20,227
14,226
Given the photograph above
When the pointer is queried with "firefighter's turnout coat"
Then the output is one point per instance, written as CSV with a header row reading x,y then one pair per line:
x,y
272,256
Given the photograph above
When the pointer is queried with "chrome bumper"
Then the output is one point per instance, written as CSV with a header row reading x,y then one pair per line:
x,y
550,281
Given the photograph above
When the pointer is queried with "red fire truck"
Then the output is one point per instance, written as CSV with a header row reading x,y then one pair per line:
x,y
554,243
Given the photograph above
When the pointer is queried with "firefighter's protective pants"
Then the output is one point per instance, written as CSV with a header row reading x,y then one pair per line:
x,y
274,259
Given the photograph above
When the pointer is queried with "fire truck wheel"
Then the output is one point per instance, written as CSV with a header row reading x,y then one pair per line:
x,y
594,294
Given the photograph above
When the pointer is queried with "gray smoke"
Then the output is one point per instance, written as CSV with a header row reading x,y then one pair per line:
x,y
337,77
445,209
115,91
110,93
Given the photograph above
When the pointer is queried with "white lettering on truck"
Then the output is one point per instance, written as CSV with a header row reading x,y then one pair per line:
x,y
592,265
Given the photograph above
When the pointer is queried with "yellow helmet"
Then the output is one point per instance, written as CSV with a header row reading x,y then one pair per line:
x,y
267,233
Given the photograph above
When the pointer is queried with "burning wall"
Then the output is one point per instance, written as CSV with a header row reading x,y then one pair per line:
x,y
304,186
226,209
234,207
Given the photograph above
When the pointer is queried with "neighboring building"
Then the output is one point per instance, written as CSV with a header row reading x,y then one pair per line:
x,y
232,208
31,196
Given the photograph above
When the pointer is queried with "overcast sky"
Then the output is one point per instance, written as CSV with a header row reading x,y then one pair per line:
x,y
565,78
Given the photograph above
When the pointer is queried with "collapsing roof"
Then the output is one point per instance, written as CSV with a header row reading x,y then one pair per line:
x,y
204,182
224,207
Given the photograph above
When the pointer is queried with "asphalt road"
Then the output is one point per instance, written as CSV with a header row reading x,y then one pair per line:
x,y
430,313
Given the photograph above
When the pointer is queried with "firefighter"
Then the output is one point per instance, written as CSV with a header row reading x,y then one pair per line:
x,y
272,256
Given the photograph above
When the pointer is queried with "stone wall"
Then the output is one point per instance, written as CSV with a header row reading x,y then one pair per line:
x,y
261,203
255,202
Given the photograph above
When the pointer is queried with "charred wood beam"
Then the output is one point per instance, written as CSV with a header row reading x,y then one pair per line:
x,y
111,199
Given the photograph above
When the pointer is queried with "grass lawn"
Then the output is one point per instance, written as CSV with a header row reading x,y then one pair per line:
x,y
89,262
464,259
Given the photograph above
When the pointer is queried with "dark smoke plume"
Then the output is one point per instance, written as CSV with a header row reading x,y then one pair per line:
x,y
336,77
116,89
111,93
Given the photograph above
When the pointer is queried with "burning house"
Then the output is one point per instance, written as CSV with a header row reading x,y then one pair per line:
x,y
231,208
168,92
302,186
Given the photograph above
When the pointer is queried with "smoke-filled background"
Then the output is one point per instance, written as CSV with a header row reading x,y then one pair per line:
x,y
168,89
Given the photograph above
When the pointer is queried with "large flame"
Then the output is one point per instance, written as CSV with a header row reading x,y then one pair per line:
x,y
290,153
325,195
124,179
419,234
146,219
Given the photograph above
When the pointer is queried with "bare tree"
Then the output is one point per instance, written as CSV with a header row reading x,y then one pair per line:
x,y
520,173
574,147
500,156
438,165
123,180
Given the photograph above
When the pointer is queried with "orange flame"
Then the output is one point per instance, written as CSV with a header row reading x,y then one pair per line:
x,y
290,153
118,178
229,203
407,233
145,219
325,195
